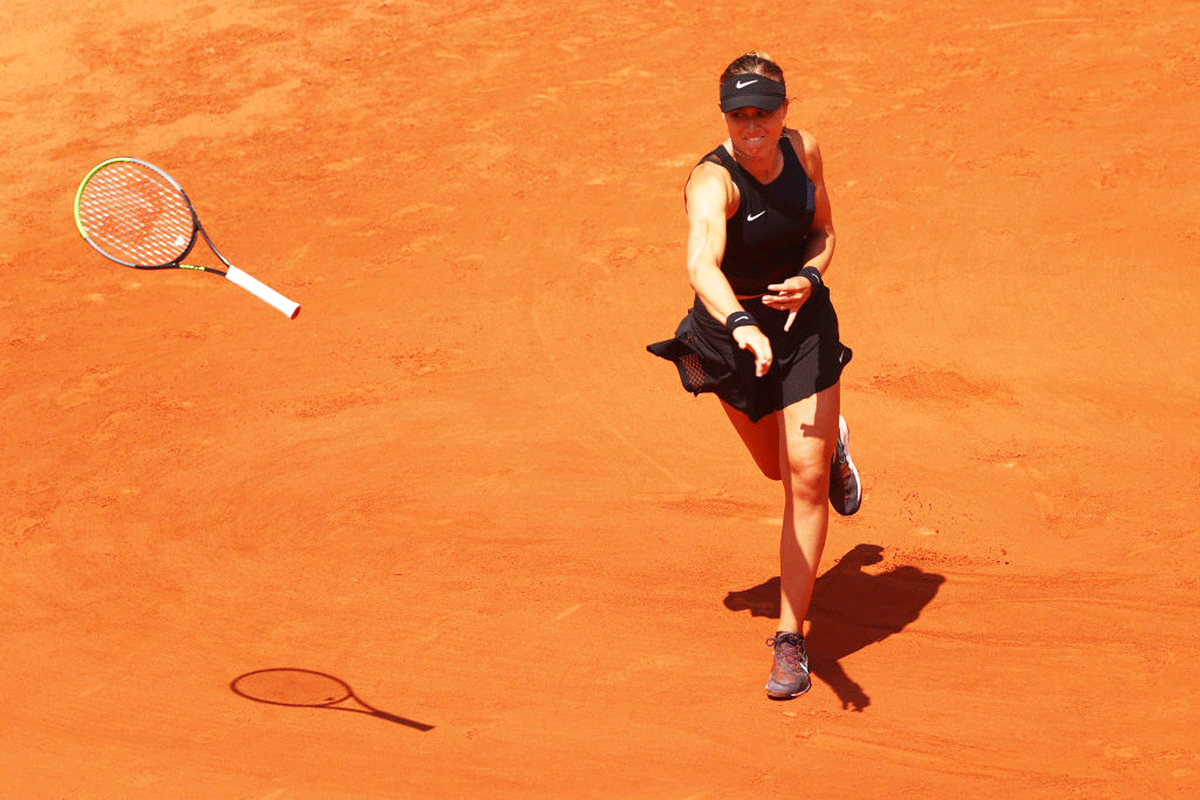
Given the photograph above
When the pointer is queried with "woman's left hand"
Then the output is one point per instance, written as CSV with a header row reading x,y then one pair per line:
x,y
789,296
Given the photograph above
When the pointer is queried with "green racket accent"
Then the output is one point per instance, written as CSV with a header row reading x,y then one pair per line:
x,y
79,194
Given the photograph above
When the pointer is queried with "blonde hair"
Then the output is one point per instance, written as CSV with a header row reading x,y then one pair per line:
x,y
754,62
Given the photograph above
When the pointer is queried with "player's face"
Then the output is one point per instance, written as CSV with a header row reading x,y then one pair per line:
x,y
755,131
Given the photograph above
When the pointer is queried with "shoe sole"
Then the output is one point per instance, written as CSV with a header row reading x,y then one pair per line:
x,y
781,696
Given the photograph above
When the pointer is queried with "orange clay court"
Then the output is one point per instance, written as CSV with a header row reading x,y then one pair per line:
x,y
458,483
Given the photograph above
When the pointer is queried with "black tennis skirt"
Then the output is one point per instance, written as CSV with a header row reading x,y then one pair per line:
x,y
807,359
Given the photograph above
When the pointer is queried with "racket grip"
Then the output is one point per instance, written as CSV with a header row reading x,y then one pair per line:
x,y
263,292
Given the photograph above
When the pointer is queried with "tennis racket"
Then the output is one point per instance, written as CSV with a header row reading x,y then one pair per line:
x,y
287,686
137,215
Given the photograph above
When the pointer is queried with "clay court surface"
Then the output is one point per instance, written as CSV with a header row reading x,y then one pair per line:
x,y
458,482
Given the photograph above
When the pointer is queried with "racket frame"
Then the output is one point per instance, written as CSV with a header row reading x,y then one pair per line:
x,y
234,274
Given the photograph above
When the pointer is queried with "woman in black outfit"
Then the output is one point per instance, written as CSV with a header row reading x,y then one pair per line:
x,y
763,335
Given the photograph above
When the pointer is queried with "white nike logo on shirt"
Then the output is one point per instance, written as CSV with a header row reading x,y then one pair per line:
x,y
752,217
741,85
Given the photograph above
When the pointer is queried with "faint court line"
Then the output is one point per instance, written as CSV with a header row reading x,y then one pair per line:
x,y
999,26
649,459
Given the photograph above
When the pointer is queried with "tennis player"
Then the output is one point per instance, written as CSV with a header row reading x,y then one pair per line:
x,y
762,334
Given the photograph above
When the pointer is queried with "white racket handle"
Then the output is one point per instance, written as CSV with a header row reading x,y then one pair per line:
x,y
263,292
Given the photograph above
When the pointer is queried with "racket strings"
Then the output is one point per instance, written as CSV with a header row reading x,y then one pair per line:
x,y
135,215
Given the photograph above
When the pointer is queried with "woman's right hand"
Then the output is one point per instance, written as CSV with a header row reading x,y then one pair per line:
x,y
749,337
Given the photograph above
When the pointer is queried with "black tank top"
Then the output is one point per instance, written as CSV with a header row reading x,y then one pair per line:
x,y
766,237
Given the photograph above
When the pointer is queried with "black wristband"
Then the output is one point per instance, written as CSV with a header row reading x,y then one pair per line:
x,y
737,319
814,275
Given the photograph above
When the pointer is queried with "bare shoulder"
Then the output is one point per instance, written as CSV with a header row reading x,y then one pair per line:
x,y
710,184
804,143
706,174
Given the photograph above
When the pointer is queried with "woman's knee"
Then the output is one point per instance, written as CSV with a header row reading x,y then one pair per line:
x,y
809,436
808,477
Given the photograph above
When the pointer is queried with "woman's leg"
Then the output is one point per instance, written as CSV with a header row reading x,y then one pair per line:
x,y
796,445
807,438
761,439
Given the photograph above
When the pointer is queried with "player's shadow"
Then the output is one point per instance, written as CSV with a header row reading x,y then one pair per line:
x,y
850,609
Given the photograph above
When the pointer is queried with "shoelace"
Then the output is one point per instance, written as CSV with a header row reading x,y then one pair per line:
x,y
792,652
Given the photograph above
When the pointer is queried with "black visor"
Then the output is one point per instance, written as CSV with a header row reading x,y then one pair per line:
x,y
754,90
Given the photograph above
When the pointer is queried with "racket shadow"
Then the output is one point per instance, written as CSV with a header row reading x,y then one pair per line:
x,y
291,686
